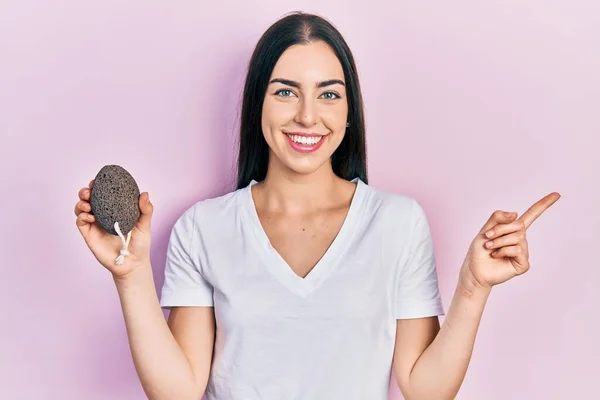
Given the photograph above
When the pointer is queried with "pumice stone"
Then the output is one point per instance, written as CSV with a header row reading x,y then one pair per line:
x,y
115,203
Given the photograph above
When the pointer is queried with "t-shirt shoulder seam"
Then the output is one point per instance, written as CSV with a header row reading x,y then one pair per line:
x,y
193,231
414,220
408,248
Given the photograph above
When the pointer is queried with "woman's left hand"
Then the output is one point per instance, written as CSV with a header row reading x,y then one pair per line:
x,y
499,252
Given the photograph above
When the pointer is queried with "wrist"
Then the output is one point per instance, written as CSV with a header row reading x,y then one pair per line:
x,y
139,275
469,287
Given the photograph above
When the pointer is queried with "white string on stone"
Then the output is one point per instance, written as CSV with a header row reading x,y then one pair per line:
x,y
124,251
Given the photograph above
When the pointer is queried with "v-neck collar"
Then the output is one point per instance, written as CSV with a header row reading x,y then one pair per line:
x,y
277,265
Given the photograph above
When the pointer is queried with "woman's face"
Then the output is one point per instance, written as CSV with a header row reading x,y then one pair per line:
x,y
305,109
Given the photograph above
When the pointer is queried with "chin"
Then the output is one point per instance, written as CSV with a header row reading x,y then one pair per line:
x,y
305,168
302,162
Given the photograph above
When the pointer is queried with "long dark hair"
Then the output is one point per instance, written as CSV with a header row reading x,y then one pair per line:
x,y
349,159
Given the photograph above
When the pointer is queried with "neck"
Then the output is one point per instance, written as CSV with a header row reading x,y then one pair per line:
x,y
284,191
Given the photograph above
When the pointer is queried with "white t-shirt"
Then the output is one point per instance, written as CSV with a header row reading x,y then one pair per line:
x,y
327,336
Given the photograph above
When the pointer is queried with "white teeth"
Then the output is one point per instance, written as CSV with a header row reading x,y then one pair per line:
x,y
305,139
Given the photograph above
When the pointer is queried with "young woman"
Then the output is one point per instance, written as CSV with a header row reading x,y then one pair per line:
x,y
304,282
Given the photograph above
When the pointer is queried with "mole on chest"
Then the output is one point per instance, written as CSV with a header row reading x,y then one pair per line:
x,y
303,244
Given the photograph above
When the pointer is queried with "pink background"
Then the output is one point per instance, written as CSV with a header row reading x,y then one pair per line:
x,y
471,107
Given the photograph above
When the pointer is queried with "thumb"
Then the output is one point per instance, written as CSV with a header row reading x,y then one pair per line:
x,y
498,217
146,209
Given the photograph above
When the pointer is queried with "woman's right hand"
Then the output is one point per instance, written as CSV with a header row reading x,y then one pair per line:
x,y
105,246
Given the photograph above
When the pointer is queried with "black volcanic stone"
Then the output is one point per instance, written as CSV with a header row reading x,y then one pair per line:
x,y
115,198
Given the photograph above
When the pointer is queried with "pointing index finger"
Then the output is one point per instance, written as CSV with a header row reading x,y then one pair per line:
x,y
529,216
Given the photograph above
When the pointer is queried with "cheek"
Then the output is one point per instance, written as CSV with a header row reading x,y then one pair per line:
x,y
266,112
275,112
269,113
335,117
275,115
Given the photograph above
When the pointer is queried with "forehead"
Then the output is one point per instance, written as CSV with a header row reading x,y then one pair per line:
x,y
309,62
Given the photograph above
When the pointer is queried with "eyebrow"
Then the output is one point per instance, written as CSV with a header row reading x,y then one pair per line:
x,y
319,84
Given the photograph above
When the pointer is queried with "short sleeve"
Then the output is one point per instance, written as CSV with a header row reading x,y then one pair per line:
x,y
418,293
184,284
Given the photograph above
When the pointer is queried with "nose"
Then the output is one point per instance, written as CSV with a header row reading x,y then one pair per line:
x,y
307,113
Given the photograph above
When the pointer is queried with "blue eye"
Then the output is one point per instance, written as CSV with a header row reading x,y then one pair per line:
x,y
284,92
330,96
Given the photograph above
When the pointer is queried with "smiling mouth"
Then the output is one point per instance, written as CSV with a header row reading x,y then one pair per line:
x,y
305,143
305,140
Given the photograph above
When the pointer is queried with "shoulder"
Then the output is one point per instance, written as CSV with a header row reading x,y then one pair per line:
x,y
398,209
209,212
398,221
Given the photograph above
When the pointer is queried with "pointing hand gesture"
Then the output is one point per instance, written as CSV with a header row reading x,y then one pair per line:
x,y
499,252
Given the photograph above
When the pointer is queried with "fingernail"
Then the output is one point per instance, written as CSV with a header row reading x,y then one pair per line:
x,y
489,244
510,214
489,233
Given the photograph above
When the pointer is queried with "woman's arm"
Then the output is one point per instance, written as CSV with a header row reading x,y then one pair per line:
x,y
170,364
431,362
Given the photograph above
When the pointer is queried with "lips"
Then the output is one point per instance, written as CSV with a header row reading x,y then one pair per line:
x,y
305,142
